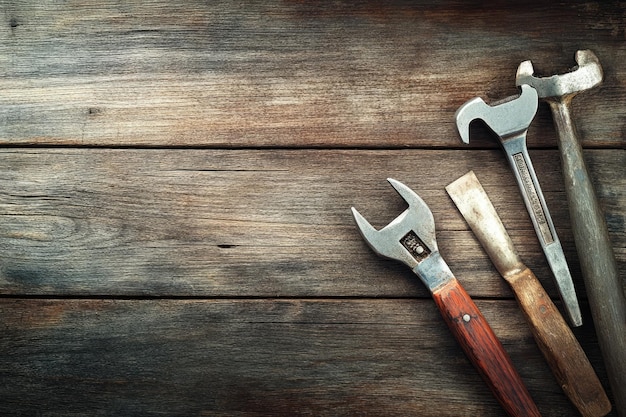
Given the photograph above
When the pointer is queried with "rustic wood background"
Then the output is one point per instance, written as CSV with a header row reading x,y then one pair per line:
x,y
175,192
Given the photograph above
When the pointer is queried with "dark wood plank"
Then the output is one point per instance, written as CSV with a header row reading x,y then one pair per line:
x,y
259,223
257,357
316,324
270,73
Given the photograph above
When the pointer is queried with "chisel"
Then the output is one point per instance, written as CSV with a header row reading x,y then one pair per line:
x,y
558,344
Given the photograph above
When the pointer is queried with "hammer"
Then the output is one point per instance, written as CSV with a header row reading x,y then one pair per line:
x,y
595,252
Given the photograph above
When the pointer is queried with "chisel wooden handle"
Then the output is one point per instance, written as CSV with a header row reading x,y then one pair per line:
x,y
559,346
484,349
557,342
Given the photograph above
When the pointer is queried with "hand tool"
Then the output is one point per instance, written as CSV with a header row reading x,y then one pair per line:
x,y
558,344
595,252
410,238
509,119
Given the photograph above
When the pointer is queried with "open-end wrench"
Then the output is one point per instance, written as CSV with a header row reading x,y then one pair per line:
x,y
509,119
559,346
410,238
595,251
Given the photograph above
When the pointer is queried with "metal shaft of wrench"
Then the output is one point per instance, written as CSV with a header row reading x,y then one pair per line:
x,y
510,120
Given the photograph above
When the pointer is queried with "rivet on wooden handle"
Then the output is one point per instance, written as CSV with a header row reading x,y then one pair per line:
x,y
566,358
484,349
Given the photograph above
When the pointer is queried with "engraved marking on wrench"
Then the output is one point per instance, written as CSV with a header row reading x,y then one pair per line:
x,y
533,197
415,246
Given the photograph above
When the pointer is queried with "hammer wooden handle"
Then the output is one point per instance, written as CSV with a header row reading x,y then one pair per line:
x,y
559,346
595,252
484,349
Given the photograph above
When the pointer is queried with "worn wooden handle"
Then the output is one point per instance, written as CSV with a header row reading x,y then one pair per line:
x,y
559,346
595,253
484,349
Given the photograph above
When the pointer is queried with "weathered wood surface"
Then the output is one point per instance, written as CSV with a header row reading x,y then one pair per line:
x,y
256,358
269,73
259,223
245,223
175,187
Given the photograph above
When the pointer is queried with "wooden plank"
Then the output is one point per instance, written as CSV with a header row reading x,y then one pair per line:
x,y
257,357
259,223
270,73
188,281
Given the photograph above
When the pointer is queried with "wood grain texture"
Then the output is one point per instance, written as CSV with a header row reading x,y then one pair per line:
x,y
257,223
175,186
256,358
269,73
559,346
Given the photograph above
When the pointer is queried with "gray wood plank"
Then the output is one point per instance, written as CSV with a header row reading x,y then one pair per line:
x,y
269,73
256,358
259,223
196,281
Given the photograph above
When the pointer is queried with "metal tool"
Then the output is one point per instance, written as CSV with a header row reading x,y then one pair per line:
x,y
595,252
410,238
509,119
559,346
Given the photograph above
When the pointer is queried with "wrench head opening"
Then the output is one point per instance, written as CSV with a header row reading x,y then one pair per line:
x,y
586,75
506,118
410,237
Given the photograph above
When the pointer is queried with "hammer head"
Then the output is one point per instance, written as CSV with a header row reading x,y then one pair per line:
x,y
508,117
586,75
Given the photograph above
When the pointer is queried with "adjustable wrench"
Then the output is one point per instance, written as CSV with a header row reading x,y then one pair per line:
x,y
410,238
509,119
559,346
595,251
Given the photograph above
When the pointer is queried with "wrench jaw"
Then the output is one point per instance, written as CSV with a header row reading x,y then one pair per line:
x,y
409,238
507,118
585,76
466,114
418,217
377,241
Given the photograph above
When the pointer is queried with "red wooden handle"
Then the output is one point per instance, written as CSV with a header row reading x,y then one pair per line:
x,y
484,349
